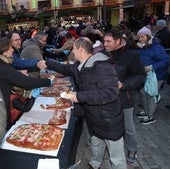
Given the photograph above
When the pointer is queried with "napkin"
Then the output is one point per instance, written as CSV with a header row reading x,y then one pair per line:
x,y
51,163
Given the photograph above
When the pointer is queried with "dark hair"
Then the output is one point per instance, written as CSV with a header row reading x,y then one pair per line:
x,y
4,45
115,33
91,36
85,43
9,35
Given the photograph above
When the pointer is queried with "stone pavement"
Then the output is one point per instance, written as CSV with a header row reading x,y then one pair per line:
x,y
154,140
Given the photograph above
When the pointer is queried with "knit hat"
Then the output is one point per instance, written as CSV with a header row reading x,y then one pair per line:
x,y
145,31
161,23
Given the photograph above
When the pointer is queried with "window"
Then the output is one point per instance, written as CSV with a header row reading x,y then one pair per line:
x,y
44,4
3,5
66,2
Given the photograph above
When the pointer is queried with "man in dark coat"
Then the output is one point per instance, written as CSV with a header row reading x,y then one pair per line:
x,y
98,95
131,75
163,33
33,49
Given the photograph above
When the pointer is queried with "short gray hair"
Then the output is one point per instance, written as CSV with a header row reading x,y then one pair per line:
x,y
39,35
85,43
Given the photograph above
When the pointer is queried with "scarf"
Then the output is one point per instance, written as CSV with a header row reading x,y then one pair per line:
x,y
6,59
146,44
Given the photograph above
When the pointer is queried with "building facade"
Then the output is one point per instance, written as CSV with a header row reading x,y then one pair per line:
x,y
114,10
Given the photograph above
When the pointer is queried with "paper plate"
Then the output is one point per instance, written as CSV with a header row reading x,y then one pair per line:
x,y
64,95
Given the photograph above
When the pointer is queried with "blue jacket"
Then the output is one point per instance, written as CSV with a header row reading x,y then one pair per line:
x,y
156,56
20,63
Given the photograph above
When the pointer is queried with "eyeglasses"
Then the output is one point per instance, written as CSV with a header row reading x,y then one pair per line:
x,y
16,40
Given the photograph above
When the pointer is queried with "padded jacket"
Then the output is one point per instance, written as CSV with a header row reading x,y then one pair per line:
x,y
156,56
98,95
130,72
21,63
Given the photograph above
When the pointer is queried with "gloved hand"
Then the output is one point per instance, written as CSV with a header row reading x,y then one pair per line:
x,y
36,92
66,52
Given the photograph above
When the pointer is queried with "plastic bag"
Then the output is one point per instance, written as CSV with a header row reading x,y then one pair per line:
x,y
151,83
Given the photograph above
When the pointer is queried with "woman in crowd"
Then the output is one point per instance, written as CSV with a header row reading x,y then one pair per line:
x,y
153,56
10,77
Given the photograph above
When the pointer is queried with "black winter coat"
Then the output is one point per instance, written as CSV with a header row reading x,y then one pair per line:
x,y
130,72
164,37
10,77
98,95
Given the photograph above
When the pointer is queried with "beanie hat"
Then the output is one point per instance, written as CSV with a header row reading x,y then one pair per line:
x,y
161,23
145,31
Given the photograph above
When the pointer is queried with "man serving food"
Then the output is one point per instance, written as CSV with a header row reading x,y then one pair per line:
x,y
97,99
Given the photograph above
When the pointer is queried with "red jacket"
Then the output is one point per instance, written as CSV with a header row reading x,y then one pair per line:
x,y
15,113
19,105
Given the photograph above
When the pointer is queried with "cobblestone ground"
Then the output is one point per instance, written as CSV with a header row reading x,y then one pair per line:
x,y
154,140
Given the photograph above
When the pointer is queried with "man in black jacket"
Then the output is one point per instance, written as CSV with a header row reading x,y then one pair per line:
x,y
163,33
131,75
97,96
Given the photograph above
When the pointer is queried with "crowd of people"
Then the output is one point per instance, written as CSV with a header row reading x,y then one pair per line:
x,y
109,68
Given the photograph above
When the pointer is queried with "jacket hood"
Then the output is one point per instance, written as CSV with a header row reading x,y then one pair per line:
x,y
6,60
29,42
95,58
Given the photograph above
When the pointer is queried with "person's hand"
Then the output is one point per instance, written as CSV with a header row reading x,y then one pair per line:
x,y
41,64
148,68
66,52
120,84
99,33
72,96
36,92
